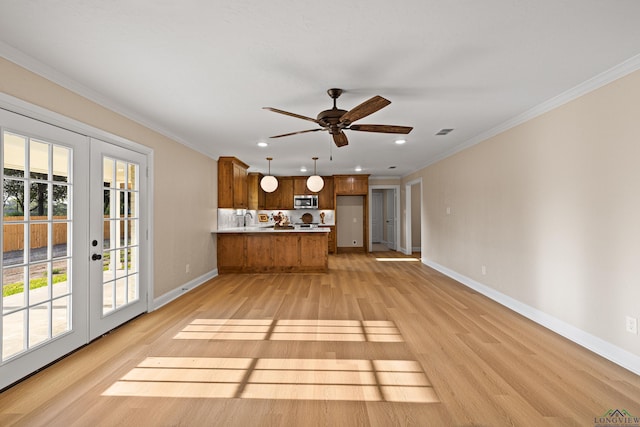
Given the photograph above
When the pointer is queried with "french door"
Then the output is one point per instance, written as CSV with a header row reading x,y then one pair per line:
x,y
55,296
118,236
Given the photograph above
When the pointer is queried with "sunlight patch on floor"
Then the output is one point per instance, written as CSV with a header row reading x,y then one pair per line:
x,y
291,330
265,378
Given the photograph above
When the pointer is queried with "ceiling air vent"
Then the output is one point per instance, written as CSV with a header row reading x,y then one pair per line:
x,y
444,131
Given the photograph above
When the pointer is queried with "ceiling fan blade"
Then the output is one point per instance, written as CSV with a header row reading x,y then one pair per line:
x,y
382,128
369,106
340,139
286,113
295,133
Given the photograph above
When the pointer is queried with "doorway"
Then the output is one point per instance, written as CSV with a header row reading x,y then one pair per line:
x,y
384,214
54,282
413,217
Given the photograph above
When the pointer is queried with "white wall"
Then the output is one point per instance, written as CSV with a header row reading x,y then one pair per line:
x,y
551,209
185,181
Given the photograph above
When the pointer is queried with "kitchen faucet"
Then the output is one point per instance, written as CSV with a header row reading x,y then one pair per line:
x,y
245,217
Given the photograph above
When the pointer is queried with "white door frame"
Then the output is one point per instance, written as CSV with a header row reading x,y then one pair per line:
x,y
396,196
32,111
408,244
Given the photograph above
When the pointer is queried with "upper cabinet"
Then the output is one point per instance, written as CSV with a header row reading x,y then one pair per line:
x,y
282,198
256,196
326,196
232,183
238,189
351,184
300,185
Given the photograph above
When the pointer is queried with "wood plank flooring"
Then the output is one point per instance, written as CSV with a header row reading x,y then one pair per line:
x,y
372,342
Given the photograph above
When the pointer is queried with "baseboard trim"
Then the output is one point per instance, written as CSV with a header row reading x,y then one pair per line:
x,y
351,250
591,342
180,290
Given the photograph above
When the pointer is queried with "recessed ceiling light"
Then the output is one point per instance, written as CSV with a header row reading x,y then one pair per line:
x,y
262,144
303,169
400,141
358,168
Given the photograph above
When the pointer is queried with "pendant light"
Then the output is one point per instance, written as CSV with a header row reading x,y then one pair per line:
x,y
315,181
269,183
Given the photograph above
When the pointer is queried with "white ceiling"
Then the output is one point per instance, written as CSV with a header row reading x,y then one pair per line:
x,y
200,71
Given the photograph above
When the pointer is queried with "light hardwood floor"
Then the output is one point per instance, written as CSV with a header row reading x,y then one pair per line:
x,y
372,342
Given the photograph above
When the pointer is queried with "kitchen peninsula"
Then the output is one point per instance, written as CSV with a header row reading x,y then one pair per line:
x,y
248,236
272,250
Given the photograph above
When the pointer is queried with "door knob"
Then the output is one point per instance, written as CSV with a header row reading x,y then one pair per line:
x,y
96,257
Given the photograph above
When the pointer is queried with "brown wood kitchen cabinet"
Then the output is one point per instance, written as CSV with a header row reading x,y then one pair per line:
x,y
332,240
351,184
326,197
300,185
232,183
272,252
256,198
282,198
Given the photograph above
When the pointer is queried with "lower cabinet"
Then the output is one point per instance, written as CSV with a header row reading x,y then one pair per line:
x,y
273,252
331,241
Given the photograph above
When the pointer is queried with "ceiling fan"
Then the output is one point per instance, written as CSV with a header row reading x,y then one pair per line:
x,y
336,120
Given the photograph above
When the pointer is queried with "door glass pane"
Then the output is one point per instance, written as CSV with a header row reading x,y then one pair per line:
x,y
39,238
14,331
14,154
61,162
121,240
39,160
61,310
36,280
39,322
39,200
60,201
13,198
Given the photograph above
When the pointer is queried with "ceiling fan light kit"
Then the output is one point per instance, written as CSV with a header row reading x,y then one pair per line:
x,y
335,120
315,183
269,183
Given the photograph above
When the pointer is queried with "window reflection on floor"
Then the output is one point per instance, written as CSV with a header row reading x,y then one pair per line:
x,y
281,378
291,330
294,379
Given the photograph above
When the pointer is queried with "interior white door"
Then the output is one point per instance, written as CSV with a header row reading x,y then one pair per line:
x,y
118,236
44,233
390,219
376,217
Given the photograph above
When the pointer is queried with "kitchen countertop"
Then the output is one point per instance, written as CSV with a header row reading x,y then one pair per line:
x,y
235,230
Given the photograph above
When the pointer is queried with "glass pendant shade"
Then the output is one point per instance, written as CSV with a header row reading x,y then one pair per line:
x,y
315,182
269,183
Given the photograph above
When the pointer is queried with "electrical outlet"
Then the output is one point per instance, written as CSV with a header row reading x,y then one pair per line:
x,y
187,268
355,243
632,325
484,270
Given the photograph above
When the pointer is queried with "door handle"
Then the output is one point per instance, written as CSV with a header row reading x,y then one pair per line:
x,y
96,257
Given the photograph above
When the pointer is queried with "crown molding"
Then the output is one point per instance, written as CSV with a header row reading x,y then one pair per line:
x,y
31,64
627,67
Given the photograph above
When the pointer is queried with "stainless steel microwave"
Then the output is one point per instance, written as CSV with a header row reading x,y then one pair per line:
x,y
305,202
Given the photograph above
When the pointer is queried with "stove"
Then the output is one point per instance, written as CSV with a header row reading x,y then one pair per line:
x,y
306,225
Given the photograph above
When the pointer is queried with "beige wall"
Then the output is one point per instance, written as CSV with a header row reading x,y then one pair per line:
x,y
185,181
552,209
416,229
349,220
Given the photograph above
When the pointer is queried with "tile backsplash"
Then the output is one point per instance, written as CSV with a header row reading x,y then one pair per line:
x,y
230,218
